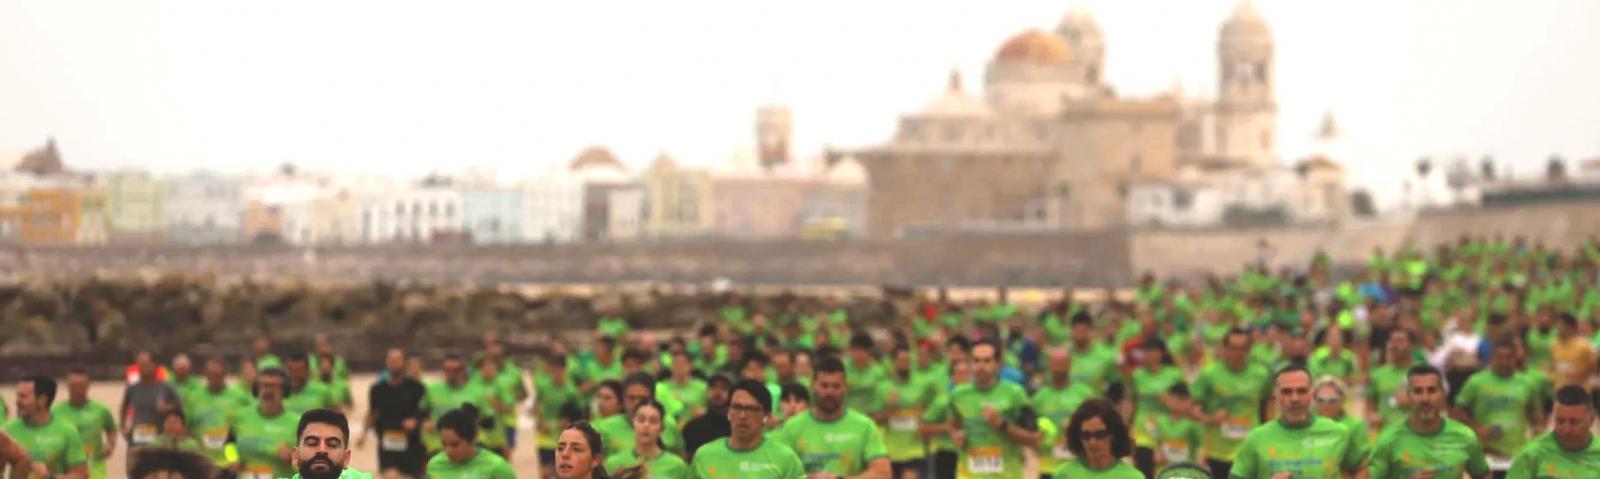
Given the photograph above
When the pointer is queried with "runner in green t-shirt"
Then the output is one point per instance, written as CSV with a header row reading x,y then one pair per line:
x,y
265,435
499,402
1428,443
322,446
1055,401
97,428
1094,364
936,423
746,453
602,366
647,448
443,396
1150,381
553,389
1178,436
211,410
988,421
1298,443
305,392
1329,398
617,429
1569,449
1498,405
182,381
1229,394
905,398
683,387
831,439
1386,400
863,368
460,457
51,441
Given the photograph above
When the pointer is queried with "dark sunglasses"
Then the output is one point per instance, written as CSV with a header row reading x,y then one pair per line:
x,y
1100,435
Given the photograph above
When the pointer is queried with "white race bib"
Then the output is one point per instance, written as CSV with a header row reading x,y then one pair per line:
x,y
1175,452
986,460
144,434
1498,463
262,474
904,424
394,441
1236,428
214,440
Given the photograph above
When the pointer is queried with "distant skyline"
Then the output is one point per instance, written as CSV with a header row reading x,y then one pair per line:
x,y
402,89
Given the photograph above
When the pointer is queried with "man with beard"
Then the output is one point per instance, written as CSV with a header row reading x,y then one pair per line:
x,y
987,419
212,408
1386,398
51,441
264,435
1093,362
833,441
305,392
321,449
1428,443
714,423
1299,443
1500,405
1228,394
396,414
1569,450
745,453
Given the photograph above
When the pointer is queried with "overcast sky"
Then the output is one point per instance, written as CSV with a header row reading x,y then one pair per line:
x,y
406,87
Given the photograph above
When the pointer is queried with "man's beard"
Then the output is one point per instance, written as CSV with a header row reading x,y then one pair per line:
x,y
333,471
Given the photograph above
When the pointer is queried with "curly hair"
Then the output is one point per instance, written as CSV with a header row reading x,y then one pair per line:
x,y
1121,444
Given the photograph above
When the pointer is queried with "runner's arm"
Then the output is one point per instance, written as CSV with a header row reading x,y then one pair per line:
x,y
13,454
80,471
877,469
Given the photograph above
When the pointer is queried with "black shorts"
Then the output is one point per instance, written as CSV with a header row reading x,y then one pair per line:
x,y
919,465
410,463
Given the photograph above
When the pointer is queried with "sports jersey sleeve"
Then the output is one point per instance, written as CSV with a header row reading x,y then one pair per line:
x,y
1245,461
1526,464
1477,464
1469,394
502,470
792,468
875,448
108,420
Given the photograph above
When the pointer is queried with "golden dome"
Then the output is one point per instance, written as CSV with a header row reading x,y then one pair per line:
x,y
1035,46
595,157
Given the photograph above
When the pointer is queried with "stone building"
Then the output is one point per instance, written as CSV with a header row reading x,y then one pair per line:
x,y
1049,144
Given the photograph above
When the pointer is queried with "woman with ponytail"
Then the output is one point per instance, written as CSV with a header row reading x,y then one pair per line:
x,y
647,448
461,456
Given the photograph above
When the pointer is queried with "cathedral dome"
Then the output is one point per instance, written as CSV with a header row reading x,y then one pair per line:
x,y
1034,46
595,158
1246,26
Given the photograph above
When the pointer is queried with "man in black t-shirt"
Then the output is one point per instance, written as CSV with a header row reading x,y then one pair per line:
x,y
714,423
396,414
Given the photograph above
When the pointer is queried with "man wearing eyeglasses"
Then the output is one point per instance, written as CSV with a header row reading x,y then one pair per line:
x,y
745,453
1427,444
1299,444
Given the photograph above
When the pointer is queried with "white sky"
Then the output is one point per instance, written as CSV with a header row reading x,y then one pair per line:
x,y
405,87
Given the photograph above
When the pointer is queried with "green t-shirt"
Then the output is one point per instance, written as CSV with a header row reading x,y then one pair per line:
x,y
548,399
495,437
989,453
1056,405
768,460
258,438
1178,439
1148,389
863,397
1075,469
616,433
842,447
938,412
691,394
1324,363
1320,449
314,395
1501,404
665,465
441,397
594,372
55,444
910,400
92,420
1359,437
1096,367
1545,458
347,473
1539,343
483,465
211,414
1402,452
186,387
341,371
1383,384
1239,393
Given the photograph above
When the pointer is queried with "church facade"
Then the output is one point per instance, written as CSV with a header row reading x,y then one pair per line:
x,y
1047,144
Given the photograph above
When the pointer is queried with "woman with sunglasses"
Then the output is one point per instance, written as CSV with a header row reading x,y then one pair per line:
x,y
1328,395
1098,440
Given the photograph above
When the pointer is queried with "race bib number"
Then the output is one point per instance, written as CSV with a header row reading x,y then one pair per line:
x,y
1236,428
214,439
260,472
904,423
1175,452
986,460
394,441
1498,463
144,434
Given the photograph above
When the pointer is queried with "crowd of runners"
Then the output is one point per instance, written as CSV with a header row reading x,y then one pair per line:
x,y
1472,359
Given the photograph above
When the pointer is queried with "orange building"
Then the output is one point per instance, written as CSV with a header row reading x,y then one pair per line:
x,y
47,216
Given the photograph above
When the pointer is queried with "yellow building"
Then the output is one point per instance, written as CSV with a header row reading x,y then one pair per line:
x,y
45,217
678,199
